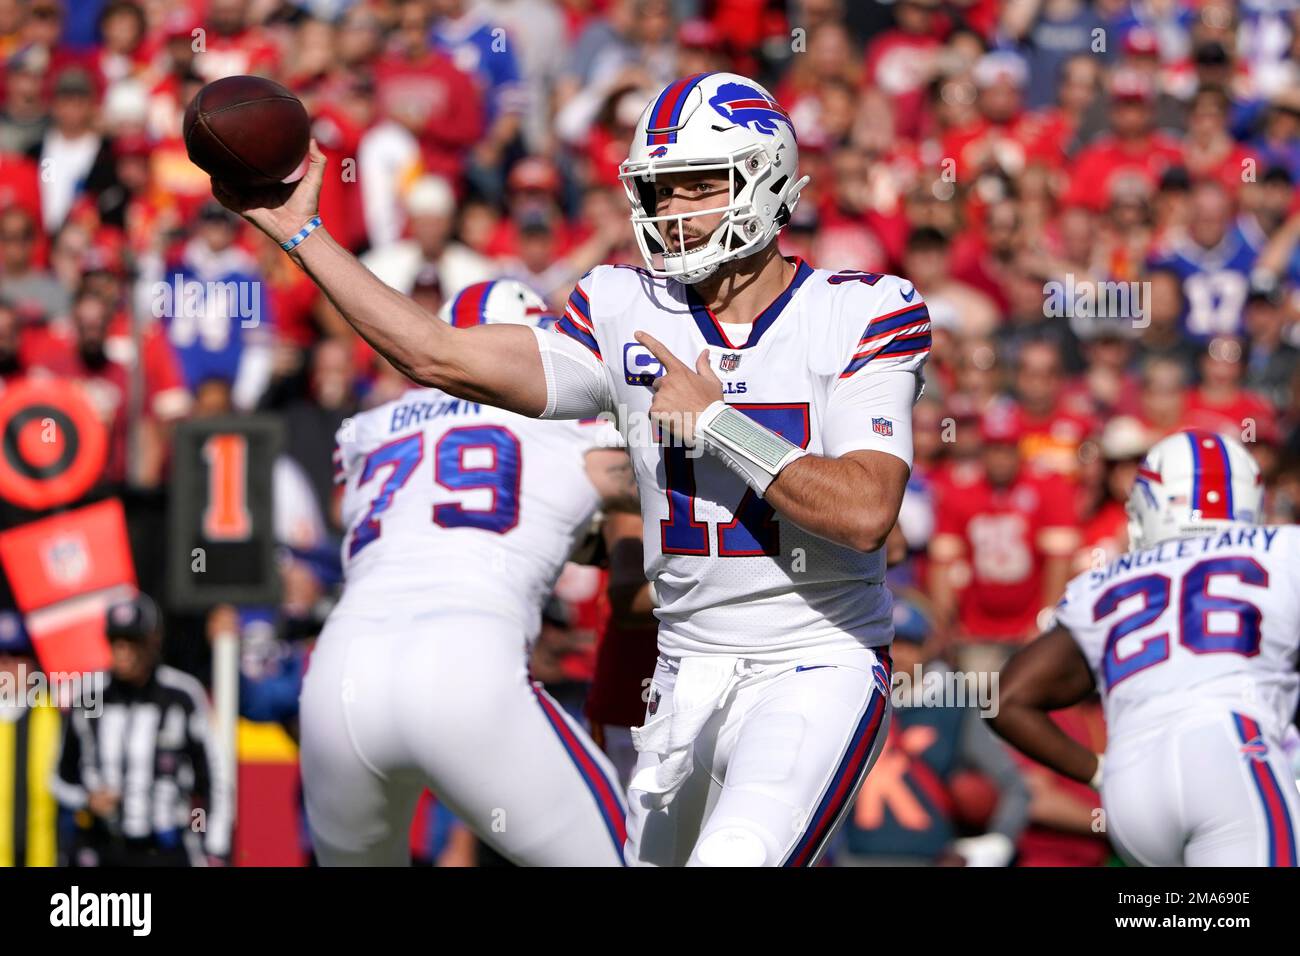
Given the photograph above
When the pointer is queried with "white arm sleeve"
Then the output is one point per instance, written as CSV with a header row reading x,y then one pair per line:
x,y
577,385
872,411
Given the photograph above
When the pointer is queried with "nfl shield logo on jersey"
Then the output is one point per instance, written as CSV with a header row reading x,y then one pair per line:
x,y
729,362
882,426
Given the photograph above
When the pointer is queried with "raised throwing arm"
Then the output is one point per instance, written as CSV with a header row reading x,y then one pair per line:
x,y
498,365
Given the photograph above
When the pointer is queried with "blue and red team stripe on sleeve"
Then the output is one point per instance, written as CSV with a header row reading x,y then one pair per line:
x,y
576,321
896,335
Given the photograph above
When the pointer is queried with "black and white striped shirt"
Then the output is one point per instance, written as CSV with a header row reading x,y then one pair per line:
x,y
153,746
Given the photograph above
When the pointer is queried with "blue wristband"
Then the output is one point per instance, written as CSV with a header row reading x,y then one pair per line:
x,y
312,225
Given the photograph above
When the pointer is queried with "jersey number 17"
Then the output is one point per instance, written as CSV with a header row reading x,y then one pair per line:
x,y
753,530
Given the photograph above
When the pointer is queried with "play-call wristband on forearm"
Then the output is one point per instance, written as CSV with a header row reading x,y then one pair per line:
x,y
755,453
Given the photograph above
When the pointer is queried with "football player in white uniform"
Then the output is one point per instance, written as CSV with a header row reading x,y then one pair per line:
x,y
767,406
459,518
1192,640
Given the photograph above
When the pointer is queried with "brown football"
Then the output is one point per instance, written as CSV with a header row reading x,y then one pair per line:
x,y
246,129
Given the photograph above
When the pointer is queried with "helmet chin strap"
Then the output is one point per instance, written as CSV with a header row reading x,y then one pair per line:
x,y
699,275
696,275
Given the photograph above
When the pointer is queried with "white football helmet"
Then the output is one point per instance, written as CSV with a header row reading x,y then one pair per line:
x,y
713,121
498,301
1193,483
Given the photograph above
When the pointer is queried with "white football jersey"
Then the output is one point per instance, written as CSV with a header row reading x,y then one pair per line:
x,y
1192,622
729,573
453,504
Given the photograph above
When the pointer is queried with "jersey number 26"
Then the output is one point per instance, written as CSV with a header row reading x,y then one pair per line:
x,y
1195,606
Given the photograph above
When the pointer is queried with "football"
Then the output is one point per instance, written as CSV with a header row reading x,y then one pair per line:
x,y
247,129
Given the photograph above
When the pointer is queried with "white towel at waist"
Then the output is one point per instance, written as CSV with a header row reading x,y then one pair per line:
x,y
702,686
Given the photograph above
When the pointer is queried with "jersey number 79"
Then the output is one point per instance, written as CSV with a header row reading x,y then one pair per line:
x,y
500,476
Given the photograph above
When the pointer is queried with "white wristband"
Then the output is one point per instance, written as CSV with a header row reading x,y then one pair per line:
x,y
1095,782
755,453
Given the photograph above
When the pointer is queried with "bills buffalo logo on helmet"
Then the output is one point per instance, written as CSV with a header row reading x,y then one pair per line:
x,y
659,152
749,107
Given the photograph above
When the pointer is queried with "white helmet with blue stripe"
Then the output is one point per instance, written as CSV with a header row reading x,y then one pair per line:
x,y
1193,483
716,122
497,301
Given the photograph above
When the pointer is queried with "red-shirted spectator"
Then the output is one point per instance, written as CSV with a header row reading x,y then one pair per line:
x,y
533,187
293,296
435,98
1210,152
94,358
1163,399
231,45
1002,546
850,234
1109,384
20,185
174,65
338,123
953,305
1003,137
1220,404
1133,150
124,52
1108,471
902,61
827,66
1054,422
1077,92
984,257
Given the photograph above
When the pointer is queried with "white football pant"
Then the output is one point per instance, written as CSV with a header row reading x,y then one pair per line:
x,y
444,701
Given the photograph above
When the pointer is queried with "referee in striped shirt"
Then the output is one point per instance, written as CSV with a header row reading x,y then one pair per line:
x,y
144,778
